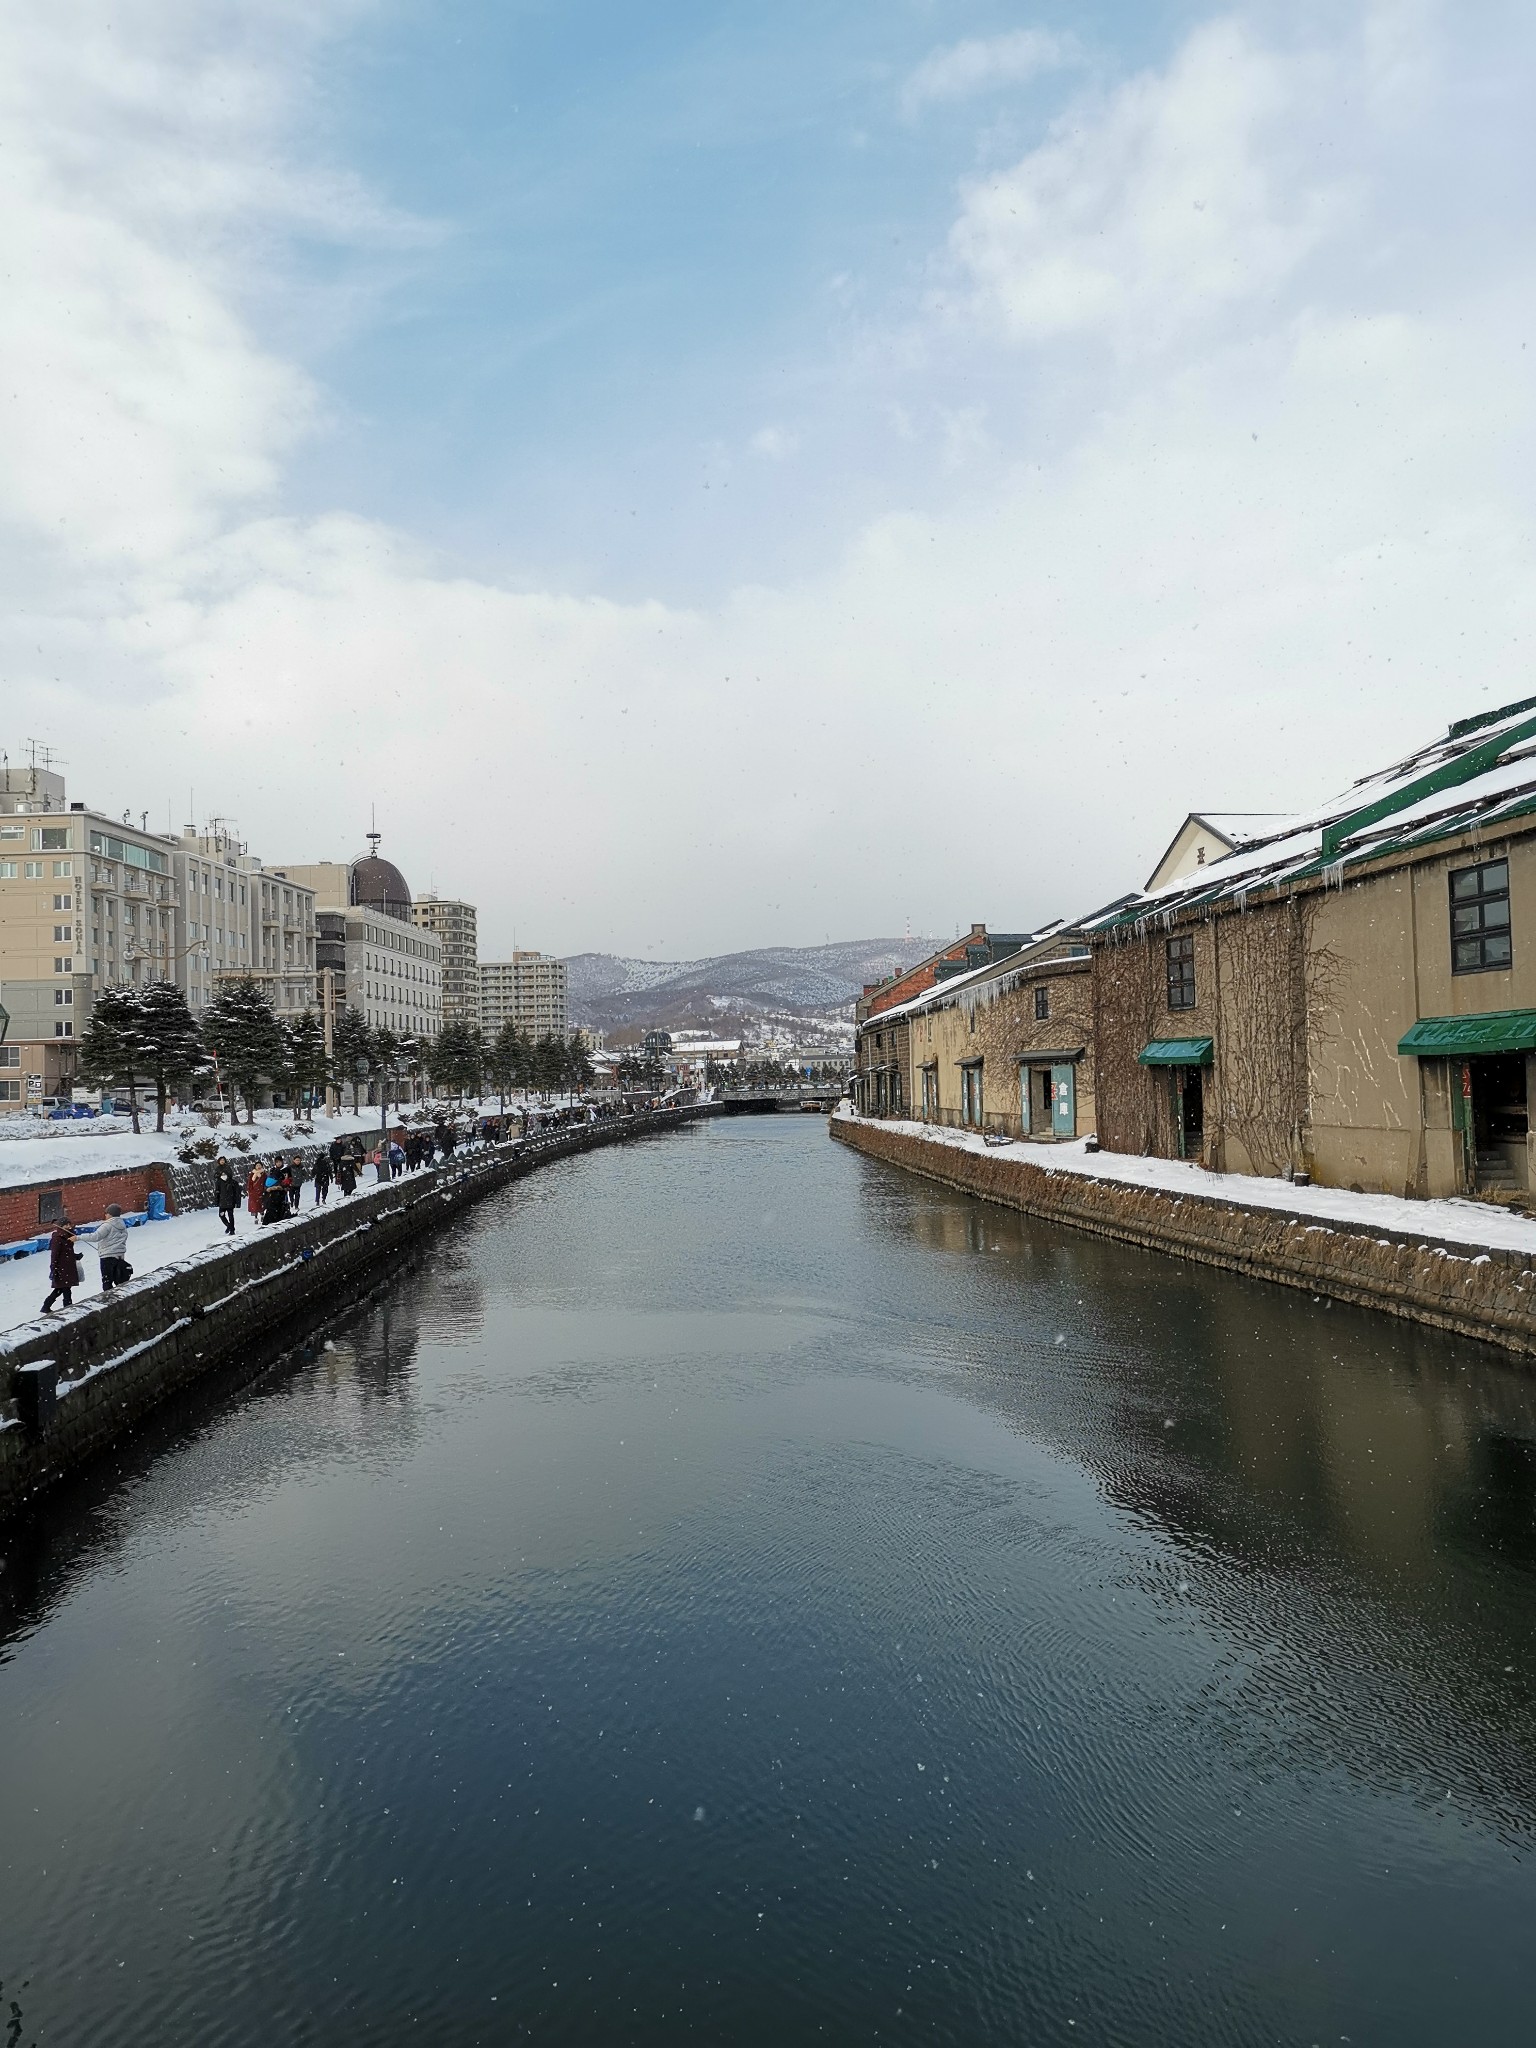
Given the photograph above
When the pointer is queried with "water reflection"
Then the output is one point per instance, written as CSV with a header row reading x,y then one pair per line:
x,y
1356,1498
737,1590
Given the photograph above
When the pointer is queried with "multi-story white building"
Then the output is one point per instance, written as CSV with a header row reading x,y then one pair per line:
x,y
454,924
236,918
381,962
528,990
88,901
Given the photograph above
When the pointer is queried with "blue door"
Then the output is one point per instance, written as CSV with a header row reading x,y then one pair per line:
x,y
1063,1103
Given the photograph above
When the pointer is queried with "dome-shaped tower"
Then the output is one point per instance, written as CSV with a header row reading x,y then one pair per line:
x,y
377,884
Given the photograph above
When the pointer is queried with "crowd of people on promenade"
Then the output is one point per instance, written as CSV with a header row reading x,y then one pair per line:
x,y
270,1192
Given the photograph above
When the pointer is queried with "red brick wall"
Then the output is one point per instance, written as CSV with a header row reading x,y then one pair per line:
x,y
917,979
85,1199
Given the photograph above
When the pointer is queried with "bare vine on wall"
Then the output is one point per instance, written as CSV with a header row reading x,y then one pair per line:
x,y
1126,1011
1259,954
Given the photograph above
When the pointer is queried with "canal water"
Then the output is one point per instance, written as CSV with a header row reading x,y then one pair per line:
x,y
731,1591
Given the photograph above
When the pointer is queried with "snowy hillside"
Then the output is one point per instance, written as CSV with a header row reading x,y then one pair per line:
x,y
606,990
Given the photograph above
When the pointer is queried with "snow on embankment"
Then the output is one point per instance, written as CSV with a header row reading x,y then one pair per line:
x,y
1463,1266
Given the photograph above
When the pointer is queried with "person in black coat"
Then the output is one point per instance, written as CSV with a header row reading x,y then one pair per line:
x,y
227,1194
63,1267
322,1177
346,1173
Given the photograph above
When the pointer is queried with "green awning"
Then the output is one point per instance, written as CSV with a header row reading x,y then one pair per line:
x,y
1488,1031
1177,1052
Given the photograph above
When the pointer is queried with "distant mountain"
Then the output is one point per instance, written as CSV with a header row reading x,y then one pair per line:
x,y
606,991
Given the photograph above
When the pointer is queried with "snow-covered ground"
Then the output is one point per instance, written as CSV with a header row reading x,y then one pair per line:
x,y
24,1282
1480,1225
32,1149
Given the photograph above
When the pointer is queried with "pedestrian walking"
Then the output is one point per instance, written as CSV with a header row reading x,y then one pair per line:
x,y
274,1197
112,1249
64,1274
255,1184
396,1159
290,1176
322,1177
226,1194
346,1173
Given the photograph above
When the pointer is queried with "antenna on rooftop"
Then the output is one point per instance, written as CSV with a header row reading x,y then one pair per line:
x,y
41,755
374,835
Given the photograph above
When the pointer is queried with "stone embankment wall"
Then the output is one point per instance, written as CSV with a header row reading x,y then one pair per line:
x,y
86,1377
1489,1294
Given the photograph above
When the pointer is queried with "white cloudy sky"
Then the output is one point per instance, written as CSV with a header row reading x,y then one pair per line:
x,y
716,476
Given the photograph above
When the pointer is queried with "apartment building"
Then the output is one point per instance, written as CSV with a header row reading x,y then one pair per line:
x,y
528,990
454,925
235,917
385,964
88,901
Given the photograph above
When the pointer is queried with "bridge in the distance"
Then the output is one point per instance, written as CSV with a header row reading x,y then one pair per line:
x,y
814,1097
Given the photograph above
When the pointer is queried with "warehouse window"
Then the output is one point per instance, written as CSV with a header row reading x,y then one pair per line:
x,y
1181,972
1043,1000
1480,918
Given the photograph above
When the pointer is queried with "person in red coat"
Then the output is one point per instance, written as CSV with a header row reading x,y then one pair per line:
x,y
63,1266
255,1187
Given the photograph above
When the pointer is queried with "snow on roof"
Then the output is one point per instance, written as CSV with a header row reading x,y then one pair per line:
x,y
1239,826
1482,769
943,992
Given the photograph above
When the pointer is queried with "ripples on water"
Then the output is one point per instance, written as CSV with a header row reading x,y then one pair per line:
x,y
733,1591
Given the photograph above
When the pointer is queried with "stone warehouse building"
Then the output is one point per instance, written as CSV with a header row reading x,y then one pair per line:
x,y
1351,996
1005,1046
884,1077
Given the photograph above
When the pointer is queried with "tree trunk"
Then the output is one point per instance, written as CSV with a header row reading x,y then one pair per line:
x,y
160,1105
133,1106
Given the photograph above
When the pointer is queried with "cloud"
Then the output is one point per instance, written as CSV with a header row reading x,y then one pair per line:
x,y
1225,502
985,64
777,443
1184,191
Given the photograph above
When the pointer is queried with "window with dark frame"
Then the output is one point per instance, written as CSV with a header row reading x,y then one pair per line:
x,y
1043,1000
1181,972
1480,937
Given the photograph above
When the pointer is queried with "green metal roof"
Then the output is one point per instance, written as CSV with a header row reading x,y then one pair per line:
x,y
1449,774
1488,1031
1179,1052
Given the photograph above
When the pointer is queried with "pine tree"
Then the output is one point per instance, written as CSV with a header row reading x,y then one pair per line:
x,y
549,1062
578,1064
242,1033
172,1050
352,1051
112,1050
457,1057
305,1066
503,1058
